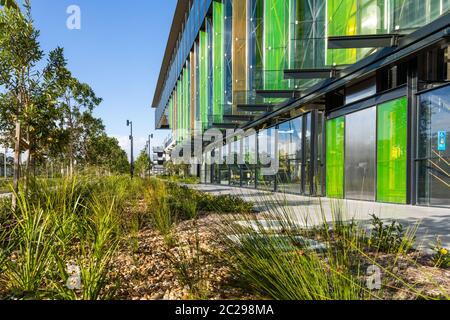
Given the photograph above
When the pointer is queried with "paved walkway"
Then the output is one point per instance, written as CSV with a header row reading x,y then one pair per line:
x,y
432,222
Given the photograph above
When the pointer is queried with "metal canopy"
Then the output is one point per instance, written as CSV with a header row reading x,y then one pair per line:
x,y
278,93
308,74
238,118
225,125
255,108
363,41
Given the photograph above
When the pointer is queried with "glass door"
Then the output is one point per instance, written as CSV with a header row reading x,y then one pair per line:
x,y
433,160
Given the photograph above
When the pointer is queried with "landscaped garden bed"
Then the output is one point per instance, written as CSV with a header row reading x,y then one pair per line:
x,y
112,238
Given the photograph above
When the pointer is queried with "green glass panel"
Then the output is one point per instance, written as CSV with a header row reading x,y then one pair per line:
x,y
203,78
354,17
218,61
185,103
179,111
392,151
171,113
276,26
335,158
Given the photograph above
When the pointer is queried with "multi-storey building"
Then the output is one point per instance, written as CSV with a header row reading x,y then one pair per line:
x,y
351,97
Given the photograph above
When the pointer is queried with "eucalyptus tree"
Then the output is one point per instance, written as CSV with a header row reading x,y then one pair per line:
x,y
19,53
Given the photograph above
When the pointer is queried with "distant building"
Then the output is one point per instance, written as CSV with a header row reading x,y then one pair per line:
x,y
159,160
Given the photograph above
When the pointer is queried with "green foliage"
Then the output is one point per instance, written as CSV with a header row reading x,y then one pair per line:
x,y
223,204
157,198
53,108
142,165
441,256
390,238
192,266
9,4
78,221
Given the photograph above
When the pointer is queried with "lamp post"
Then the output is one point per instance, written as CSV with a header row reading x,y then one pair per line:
x,y
4,163
130,124
150,137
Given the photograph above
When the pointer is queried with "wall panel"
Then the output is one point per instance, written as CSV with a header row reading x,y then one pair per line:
x,y
392,147
335,157
239,50
218,47
360,155
203,73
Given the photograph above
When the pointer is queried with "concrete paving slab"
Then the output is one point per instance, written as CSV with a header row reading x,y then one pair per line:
x,y
433,223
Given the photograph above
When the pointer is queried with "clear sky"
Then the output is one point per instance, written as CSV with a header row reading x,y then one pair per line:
x,y
118,51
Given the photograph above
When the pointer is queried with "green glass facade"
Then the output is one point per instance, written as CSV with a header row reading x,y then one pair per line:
x,y
203,75
335,158
230,65
392,149
218,61
276,26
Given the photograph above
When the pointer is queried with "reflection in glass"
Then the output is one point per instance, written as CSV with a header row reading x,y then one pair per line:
x,y
289,177
433,164
360,149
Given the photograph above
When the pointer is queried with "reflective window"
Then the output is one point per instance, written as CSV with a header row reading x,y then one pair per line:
x,y
392,144
433,163
290,156
360,150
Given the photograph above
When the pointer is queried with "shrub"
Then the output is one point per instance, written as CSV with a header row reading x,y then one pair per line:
x,y
157,198
223,204
391,238
441,256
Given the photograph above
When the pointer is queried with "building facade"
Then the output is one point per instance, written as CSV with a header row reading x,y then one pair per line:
x,y
351,98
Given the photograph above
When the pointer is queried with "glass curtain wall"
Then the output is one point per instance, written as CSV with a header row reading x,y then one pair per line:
x,y
266,179
433,159
239,52
319,170
228,57
203,81
250,158
276,33
235,168
335,157
392,151
360,155
219,61
224,169
306,47
290,156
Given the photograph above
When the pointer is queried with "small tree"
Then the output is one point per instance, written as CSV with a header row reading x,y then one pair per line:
x,y
19,53
142,164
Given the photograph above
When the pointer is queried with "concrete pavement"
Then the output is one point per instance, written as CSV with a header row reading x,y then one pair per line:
x,y
432,222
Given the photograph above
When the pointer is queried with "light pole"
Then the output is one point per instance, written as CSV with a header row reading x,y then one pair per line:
x,y
150,137
130,124
4,163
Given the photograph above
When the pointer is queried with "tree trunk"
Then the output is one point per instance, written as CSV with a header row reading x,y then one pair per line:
x,y
16,164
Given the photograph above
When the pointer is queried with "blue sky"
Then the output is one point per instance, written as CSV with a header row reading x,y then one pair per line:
x,y
118,51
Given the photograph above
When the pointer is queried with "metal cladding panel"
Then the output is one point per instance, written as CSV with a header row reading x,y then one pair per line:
x,y
360,155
